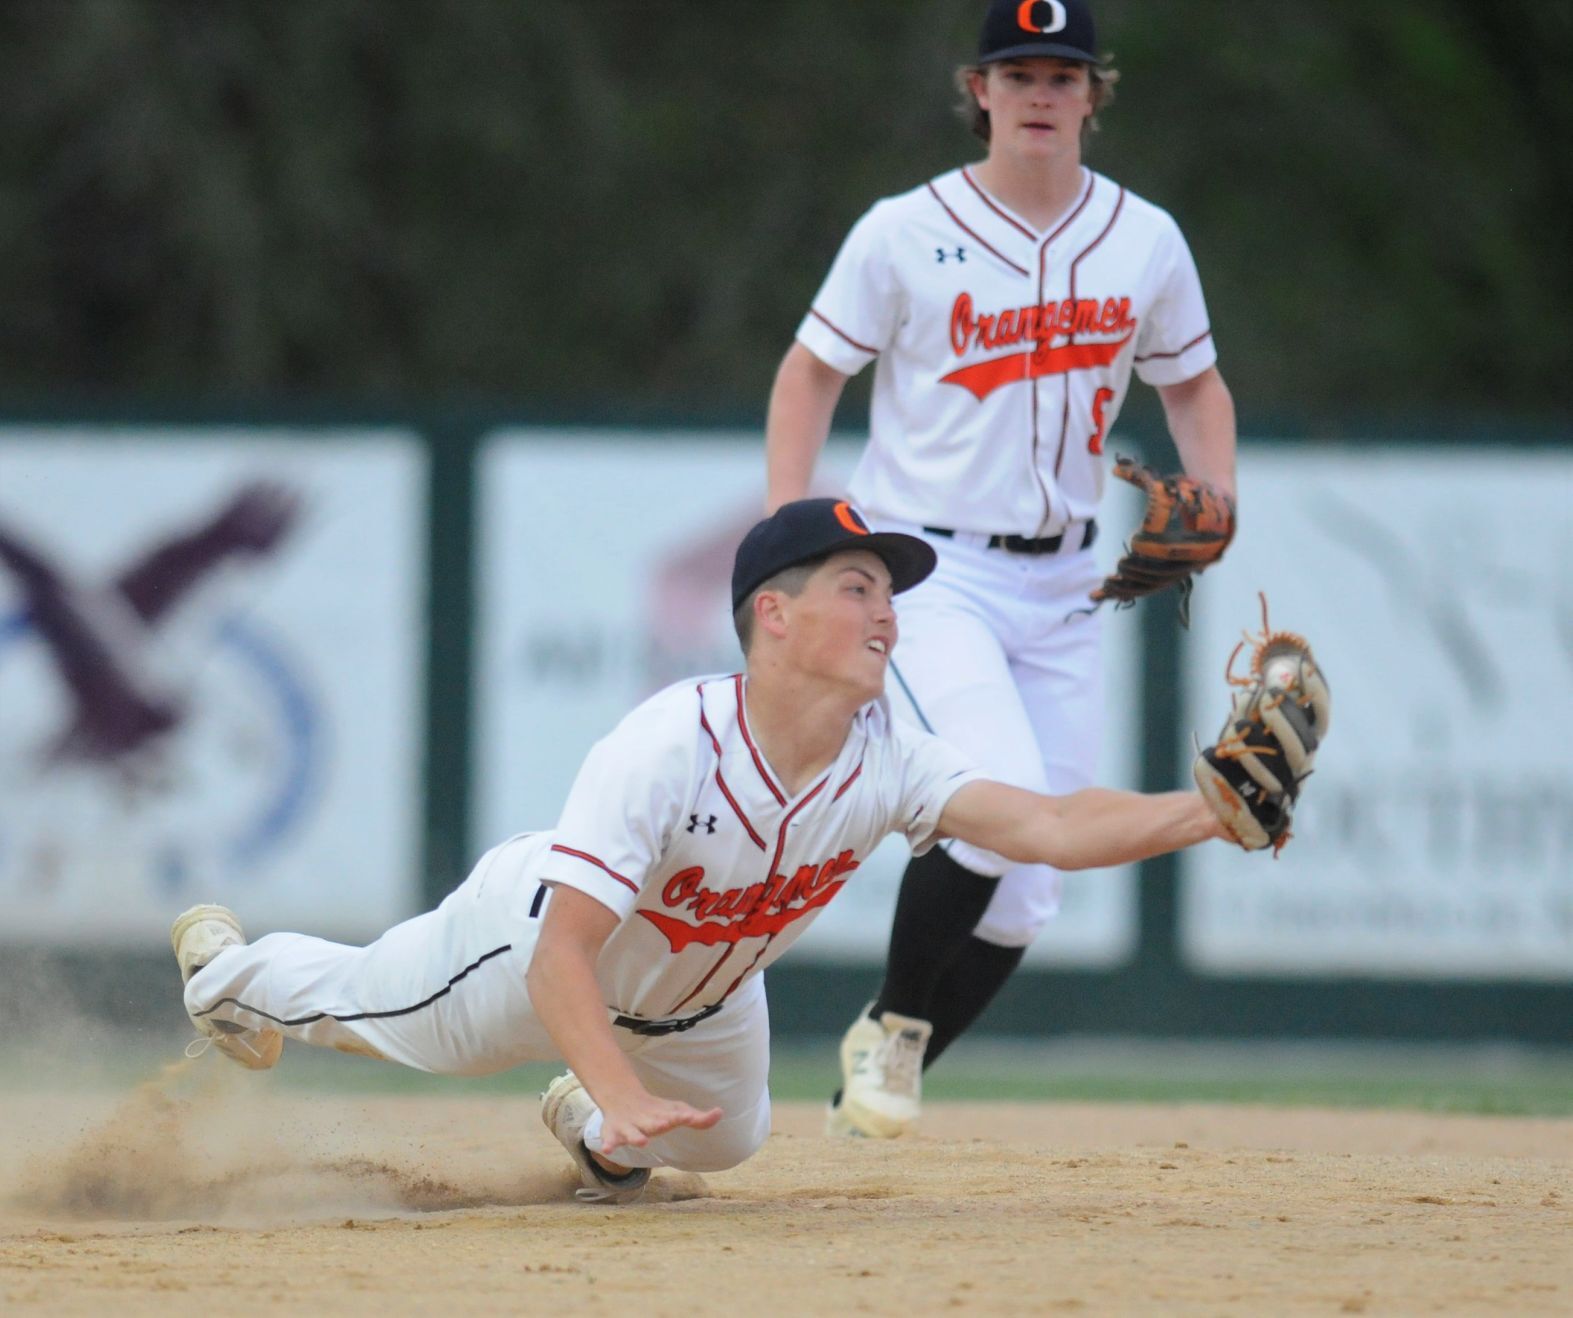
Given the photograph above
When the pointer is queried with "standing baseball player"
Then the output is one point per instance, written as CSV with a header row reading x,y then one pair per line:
x,y
700,839
1005,304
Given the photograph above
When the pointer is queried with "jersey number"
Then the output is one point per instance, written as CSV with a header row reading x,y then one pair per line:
x,y
1100,423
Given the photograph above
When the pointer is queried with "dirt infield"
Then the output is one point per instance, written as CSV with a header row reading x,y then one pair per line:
x,y
204,1193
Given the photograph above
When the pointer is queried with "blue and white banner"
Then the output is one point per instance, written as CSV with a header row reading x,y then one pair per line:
x,y
1435,839
211,648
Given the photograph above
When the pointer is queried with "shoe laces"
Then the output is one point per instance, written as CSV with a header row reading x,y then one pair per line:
x,y
902,1061
203,1042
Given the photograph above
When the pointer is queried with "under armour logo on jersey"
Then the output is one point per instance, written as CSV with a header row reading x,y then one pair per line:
x,y
959,254
695,824
1029,13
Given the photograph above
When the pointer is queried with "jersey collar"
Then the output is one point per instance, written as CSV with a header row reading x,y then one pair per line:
x,y
975,212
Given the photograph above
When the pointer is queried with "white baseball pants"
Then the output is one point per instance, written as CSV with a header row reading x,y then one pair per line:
x,y
1000,654
445,992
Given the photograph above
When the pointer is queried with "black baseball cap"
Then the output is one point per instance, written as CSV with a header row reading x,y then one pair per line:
x,y
1034,29
814,528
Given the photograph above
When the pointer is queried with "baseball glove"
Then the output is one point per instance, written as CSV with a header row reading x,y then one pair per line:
x,y
1251,775
1186,527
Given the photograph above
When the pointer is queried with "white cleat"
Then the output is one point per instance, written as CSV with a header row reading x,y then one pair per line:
x,y
881,1076
566,1108
199,935
838,1126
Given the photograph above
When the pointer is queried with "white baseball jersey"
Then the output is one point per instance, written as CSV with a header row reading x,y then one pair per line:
x,y
1004,353
678,825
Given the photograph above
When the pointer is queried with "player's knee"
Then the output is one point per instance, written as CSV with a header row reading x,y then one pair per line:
x,y
1027,898
204,988
731,1141
975,860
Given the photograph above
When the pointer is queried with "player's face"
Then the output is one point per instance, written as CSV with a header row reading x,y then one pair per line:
x,y
1036,106
843,625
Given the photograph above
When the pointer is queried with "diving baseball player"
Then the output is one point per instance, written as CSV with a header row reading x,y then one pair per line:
x,y
701,837
1005,305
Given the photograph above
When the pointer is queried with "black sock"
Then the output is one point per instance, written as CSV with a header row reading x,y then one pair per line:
x,y
968,985
612,1178
940,903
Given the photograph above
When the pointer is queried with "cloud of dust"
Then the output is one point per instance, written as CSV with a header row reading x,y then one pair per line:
x,y
201,1142
208,1142
82,1020
105,1120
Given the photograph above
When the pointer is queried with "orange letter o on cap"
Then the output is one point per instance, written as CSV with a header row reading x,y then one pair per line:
x,y
1025,23
849,518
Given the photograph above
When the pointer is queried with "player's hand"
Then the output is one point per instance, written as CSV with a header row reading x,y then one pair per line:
x,y
635,1121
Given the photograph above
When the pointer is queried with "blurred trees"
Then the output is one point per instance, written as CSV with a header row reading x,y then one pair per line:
x,y
629,203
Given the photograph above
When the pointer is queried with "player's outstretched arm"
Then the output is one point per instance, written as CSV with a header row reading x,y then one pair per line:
x,y
1085,830
567,998
802,404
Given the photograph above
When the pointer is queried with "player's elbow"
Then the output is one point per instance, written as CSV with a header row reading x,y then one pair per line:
x,y
1057,839
547,966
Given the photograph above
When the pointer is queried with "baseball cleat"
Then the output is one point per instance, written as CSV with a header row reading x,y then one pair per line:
x,y
199,935
838,1126
566,1109
881,1075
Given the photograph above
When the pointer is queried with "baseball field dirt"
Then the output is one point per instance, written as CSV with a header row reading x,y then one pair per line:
x,y
199,1193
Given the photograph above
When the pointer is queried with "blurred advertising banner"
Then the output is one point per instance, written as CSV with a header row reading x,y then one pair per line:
x,y
605,567
211,648
1436,837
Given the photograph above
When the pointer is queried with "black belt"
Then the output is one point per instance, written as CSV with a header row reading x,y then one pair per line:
x,y
1020,544
638,1025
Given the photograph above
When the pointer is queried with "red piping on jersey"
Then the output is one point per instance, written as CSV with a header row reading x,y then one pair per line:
x,y
694,992
1065,414
775,861
759,760
836,329
765,946
841,791
989,202
1043,275
1163,356
1069,219
995,252
719,780
599,864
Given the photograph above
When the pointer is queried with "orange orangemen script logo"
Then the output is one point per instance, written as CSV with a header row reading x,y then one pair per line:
x,y
760,910
1038,325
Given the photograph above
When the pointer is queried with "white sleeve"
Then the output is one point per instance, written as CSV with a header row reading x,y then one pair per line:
x,y
934,772
623,806
858,309
1176,343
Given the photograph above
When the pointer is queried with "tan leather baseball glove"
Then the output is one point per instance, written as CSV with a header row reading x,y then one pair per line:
x,y
1186,527
1251,775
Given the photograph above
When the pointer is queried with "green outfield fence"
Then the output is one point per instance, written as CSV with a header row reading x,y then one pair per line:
x,y
1154,995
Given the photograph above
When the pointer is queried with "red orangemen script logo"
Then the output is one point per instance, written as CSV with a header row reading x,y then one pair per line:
x,y
757,911
1039,325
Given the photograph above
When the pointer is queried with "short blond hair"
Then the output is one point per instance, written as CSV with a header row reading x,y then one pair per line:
x,y
1103,75
789,581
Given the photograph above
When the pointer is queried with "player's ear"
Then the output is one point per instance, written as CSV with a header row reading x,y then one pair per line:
x,y
978,84
770,612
